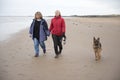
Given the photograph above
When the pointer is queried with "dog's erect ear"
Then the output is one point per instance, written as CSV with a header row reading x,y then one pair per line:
x,y
98,39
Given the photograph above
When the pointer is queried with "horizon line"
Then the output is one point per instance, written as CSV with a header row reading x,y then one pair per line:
x,y
107,15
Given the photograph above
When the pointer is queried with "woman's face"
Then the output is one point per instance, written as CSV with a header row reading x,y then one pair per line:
x,y
37,16
57,13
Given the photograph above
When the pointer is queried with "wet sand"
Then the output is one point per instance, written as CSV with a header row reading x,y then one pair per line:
x,y
77,61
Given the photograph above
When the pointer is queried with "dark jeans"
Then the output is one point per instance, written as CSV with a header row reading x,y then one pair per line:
x,y
57,40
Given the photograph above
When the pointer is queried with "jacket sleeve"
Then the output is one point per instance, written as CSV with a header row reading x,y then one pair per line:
x,y
63,26
45,25
51,26
46,28
30,30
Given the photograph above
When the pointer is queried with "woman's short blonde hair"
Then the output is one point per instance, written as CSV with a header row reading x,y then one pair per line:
x,y
58,11
38,13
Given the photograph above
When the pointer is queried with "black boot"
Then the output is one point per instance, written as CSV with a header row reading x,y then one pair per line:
x,y
56,56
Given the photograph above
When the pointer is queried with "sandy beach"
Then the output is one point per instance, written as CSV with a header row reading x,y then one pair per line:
x,y
77,62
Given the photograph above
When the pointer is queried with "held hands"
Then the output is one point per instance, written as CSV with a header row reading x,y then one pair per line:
x,y
30,35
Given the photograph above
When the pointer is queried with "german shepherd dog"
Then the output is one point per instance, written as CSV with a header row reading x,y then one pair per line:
x,y
97,48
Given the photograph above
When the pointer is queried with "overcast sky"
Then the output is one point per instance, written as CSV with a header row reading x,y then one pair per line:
x,y
67,7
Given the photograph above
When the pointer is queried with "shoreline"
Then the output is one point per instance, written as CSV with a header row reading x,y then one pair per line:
x,y
28,20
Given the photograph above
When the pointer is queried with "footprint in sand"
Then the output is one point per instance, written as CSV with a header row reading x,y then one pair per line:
x,y
13,57
89,26
4,71
20,74
6,65
101,26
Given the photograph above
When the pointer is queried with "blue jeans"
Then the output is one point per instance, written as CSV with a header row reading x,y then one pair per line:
x,y
36,45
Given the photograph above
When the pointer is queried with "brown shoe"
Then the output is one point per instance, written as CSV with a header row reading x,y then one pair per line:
x,y
36,55
44,51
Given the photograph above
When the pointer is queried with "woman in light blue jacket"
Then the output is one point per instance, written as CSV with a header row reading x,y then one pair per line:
x,y
39,32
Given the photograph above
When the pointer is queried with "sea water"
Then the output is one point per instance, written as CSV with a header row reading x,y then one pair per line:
x,y
12,25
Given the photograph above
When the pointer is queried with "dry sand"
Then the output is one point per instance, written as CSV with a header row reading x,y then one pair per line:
x,y
77,59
